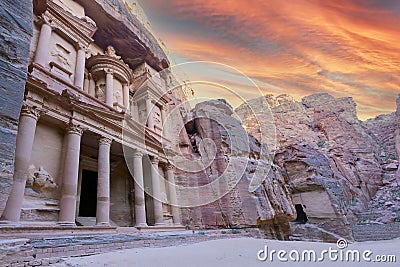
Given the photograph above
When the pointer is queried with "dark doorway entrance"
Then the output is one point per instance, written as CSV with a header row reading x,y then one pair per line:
x,y
88,201
301,215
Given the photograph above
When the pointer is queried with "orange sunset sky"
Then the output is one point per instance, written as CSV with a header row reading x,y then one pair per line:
x,y
346,48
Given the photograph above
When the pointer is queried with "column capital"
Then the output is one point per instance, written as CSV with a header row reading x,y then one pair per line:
x,y
105,141
33,112
138,154
80,46
109,71
154,159
46,18
74,129
169,166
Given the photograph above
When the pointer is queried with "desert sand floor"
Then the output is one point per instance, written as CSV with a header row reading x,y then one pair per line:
x,y
232,252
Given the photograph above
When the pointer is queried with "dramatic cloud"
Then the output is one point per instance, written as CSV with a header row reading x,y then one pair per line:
x,y
344,47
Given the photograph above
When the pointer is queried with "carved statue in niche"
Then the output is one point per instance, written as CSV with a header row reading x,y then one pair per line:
x,y
41,182
110,51
101,91
61,54
117,97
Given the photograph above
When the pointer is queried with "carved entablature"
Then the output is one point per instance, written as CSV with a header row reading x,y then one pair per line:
x,y
78,31
149,90
98,65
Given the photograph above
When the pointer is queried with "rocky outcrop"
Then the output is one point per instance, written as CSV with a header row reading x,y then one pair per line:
x,y
132,40
15,36
382,129
329,156
385,205
397,130
326,163
236,159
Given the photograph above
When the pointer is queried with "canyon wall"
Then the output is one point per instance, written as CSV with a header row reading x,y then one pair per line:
x,y
327,163
15,37
385,205
237,159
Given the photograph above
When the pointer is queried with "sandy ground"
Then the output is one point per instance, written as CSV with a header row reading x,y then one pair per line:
x,y
234,252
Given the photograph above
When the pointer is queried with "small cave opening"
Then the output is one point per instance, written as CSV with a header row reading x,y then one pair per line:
x,y
301,215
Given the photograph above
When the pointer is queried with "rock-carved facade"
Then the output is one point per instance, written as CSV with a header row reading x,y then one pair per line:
x,y
69,161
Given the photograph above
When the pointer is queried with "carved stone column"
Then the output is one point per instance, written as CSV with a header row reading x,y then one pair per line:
x,y
149,109
26,134
173,197
109,87
126,96
70,179
92,86
103,183
135,110
140,204
80,66
155,179
165,129
86,83
42,50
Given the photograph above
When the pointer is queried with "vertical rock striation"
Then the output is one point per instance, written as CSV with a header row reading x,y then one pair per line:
x,y
15,37
236,160
329,156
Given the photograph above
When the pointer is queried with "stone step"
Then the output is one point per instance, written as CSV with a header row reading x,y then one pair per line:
x,y
90,221
373,232
367,217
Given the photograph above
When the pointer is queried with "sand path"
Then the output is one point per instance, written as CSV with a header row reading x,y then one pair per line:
x,y
232,253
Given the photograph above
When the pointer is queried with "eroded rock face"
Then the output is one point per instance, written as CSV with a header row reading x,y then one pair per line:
x,y
385,205
123,27
330,158
382,130
237,154
15,37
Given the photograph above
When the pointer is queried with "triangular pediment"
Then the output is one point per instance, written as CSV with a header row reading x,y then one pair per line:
x,y
80,30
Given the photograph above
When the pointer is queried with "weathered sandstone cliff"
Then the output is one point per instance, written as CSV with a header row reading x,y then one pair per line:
x,y
15,37
332,161
238,157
